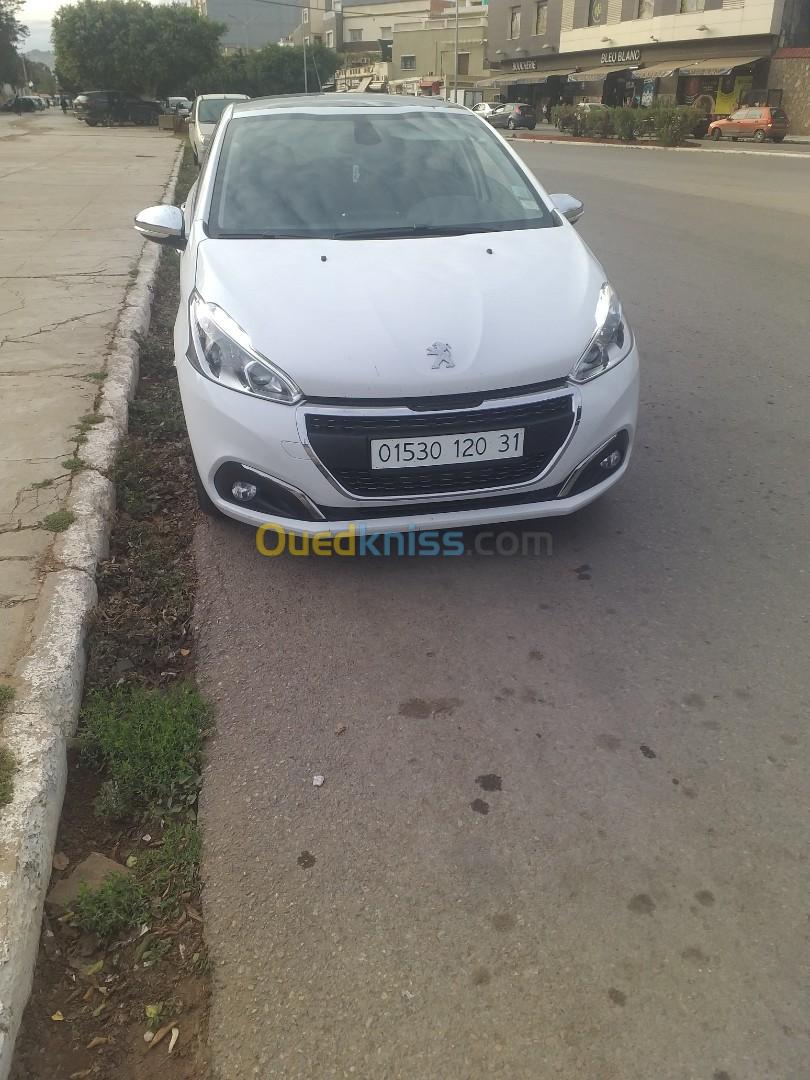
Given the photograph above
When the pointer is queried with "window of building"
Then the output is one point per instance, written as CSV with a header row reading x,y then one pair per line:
x,y
305,15
514,22
541,19
597,12
327,6
463,63
386,33
688,6
307,41
646,9
355,35
330,39
407,63
317,39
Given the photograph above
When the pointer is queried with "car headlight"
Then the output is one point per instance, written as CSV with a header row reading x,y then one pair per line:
x,y
222,351
611,341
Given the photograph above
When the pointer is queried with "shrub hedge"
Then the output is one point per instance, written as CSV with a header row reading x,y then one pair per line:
x,y
669,124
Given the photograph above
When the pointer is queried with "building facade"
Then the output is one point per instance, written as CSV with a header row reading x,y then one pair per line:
x,y
249,25
713,54
424,54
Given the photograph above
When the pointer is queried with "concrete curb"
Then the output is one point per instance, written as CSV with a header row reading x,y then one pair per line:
x,y
45,713
666,149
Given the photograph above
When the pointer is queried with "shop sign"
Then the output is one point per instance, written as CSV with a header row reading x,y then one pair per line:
x,y
524,65
620,56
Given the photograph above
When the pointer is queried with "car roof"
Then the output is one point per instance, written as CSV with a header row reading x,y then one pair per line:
x,y
219,97
344,103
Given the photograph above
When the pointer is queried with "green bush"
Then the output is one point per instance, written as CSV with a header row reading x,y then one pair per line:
x,y
673,123
563,117
598,123
624,123
149,745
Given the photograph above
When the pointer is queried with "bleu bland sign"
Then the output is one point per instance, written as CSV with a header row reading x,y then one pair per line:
x,y
620,56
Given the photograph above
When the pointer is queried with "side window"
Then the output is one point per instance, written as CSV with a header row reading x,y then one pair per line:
x,y
754,114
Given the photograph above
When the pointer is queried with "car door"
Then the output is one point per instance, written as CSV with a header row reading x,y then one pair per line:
x,y
498,116
734,123
754,120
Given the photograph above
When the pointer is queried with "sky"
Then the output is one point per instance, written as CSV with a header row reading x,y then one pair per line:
x,y
37,14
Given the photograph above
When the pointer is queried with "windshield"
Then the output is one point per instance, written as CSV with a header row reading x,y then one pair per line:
x,y
211,110
368,175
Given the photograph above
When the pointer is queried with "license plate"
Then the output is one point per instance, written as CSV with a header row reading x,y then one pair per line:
x,y
447,449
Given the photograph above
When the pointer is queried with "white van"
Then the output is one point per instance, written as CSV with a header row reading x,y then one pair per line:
x,y
205,114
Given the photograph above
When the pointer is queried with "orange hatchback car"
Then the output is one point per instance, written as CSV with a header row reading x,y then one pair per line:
x,y
758,123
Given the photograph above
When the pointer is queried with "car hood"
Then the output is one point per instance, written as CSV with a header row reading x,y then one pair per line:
x,y
373,318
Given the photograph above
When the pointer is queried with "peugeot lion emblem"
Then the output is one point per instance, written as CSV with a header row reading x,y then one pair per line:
x,y
442,355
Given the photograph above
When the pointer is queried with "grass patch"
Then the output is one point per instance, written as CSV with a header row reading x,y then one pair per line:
x,y
8,766
73,465
119,904
149,745
171,872
58,521
7,695
97,376
39,484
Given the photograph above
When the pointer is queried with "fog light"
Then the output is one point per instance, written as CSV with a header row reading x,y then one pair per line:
x,y
611,460
243,492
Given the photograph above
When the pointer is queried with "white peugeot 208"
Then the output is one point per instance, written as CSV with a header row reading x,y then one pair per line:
x,y
386,320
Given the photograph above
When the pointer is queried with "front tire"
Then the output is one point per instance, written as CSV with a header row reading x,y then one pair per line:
x,y
717,135
91,123
759,135
510,123
779,138
532,127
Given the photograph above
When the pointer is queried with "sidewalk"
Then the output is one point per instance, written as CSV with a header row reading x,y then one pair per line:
x,y
73,292
67,197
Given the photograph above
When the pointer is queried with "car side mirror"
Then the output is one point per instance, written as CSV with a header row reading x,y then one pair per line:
x,y
569,207
163,225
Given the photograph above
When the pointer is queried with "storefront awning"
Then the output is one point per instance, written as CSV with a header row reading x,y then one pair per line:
x,y
722,66
598,74
657,71
533,77
501,80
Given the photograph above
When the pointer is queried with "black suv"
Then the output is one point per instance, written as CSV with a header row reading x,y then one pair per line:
x,y
114,107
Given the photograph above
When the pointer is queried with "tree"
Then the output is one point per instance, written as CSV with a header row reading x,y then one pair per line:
x,y
132,45
39,74
12,34
275,69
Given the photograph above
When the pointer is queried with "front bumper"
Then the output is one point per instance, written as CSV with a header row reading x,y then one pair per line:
x,y
229,430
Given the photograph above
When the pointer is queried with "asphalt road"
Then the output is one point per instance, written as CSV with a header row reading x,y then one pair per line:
x,y
564,834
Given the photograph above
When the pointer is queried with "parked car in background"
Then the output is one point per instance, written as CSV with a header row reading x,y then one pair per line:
x,y
114,107
361,285
486,108
204,117
179,105
22,104
758,122
515,114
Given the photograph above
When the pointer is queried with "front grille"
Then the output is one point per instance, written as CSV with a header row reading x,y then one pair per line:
x,y
342,443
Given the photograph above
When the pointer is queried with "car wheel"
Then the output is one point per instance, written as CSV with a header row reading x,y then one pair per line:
x,y
532,127
91,123
759,135
734,138
779,138
510,123
717,134
204,500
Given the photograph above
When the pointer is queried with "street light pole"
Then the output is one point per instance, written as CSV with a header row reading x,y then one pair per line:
x,y
455,65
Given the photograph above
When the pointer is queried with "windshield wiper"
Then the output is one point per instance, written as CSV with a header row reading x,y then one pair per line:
x,y
395,231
